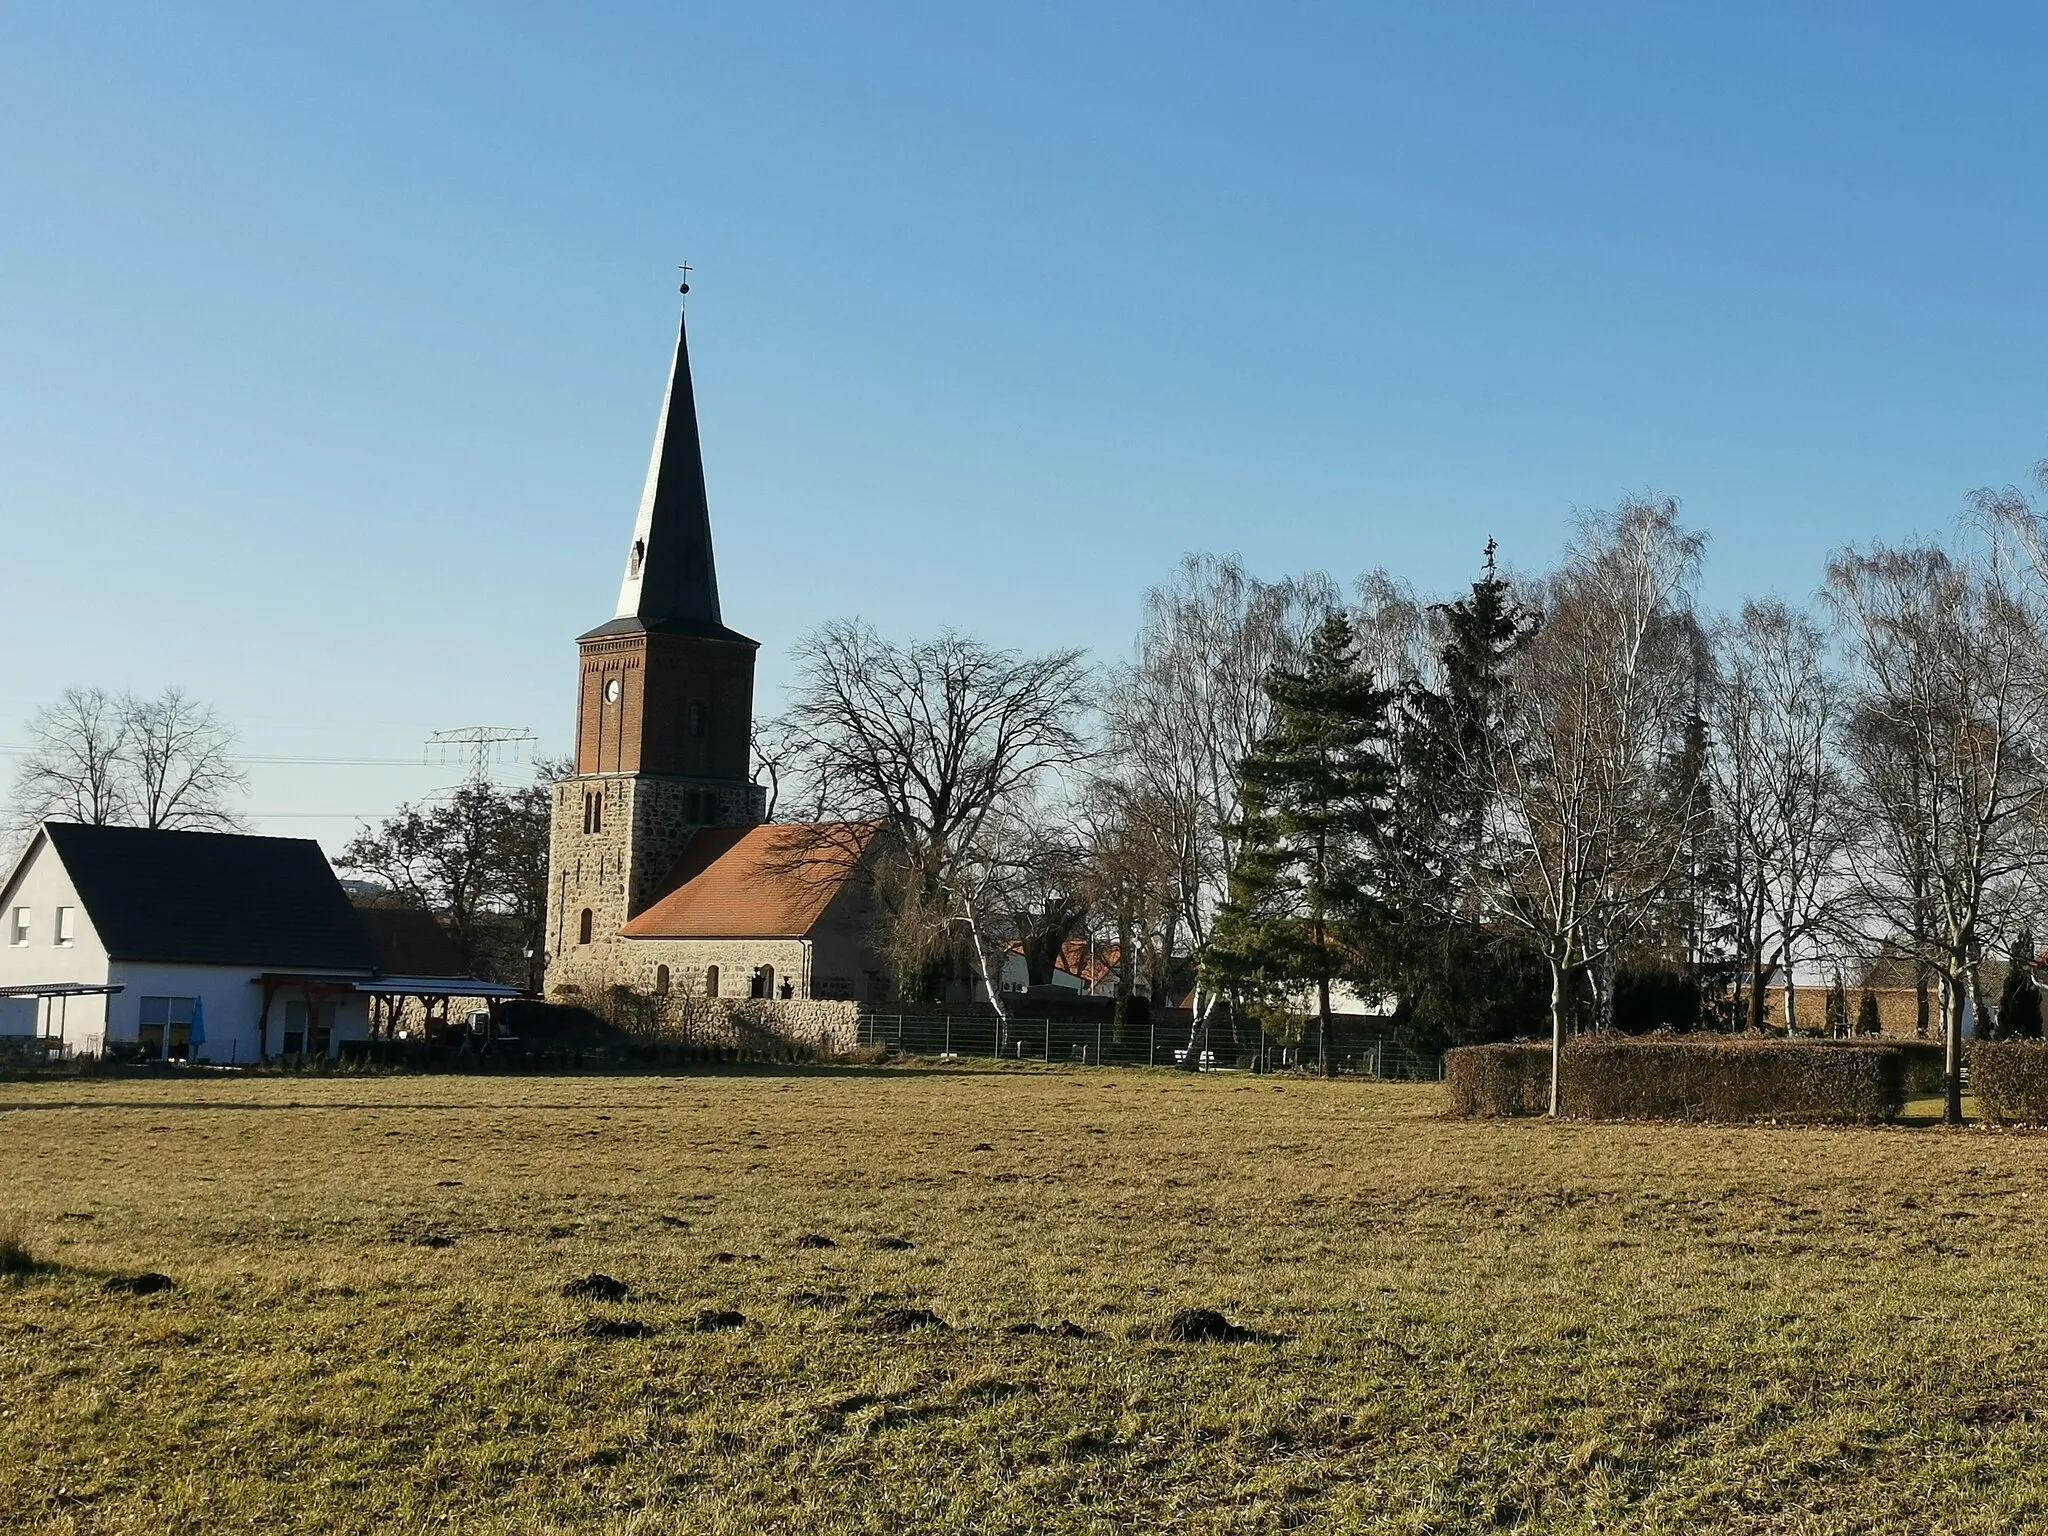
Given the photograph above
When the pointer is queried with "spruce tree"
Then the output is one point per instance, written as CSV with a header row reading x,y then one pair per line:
x,y
1457,983
1314,805
2019,1002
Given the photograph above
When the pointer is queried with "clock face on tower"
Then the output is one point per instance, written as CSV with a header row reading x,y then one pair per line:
x,y
612,690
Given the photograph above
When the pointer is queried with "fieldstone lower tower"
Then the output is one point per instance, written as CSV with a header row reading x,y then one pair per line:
x,y
664,721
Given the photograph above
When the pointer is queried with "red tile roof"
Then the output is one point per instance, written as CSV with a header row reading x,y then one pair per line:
x,y
771,881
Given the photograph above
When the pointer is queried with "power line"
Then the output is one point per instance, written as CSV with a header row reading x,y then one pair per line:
x,y
14,749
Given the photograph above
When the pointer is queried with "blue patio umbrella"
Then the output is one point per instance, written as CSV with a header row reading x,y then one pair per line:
x,y
196,1036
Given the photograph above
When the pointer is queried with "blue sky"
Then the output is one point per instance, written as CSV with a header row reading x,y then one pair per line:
x,y
332,338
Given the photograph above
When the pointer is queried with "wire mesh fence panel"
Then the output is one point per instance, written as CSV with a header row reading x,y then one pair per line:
x,y
1115,1043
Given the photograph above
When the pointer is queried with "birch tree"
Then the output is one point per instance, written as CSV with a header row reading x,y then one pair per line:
x,y
1950,706
1184,715
1778,712
1581,838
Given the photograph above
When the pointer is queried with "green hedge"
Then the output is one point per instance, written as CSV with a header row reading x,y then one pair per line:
x,y
2010,1079
1697,1078
1488,1080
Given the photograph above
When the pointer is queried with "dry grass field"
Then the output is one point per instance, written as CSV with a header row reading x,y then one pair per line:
x,y
1479,1326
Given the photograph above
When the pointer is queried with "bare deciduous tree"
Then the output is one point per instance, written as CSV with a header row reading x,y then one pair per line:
x,y
76,768
1581,839
119,760
178,754
1183,717
1950,712
935,743
1777,712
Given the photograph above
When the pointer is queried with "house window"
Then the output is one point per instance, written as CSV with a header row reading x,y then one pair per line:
x,y
711,981
164,1027
593,810
19,937
661,981
66,926
584,925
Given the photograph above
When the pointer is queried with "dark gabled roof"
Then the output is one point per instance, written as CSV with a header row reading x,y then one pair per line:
x,y
212,898
410,942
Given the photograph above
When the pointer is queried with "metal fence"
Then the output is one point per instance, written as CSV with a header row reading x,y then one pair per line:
x,y
1102,1042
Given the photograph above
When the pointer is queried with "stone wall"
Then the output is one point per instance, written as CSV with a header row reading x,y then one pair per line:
x,y
637,963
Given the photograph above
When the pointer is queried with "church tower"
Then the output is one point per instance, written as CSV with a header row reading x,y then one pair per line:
x,y
664,718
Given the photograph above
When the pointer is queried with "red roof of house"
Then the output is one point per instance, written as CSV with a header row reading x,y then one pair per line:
x,y
411,943
772,881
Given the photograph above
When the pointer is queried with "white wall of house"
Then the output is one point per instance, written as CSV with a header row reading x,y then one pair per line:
x,y
35,949
1016,977
31,908
233,1003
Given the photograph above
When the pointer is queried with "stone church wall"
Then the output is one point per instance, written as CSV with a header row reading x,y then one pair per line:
x,y
618,870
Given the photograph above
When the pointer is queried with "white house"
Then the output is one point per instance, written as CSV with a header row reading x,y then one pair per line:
x,y
213,947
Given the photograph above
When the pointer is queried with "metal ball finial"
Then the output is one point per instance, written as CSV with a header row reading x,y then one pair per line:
x,y
684,289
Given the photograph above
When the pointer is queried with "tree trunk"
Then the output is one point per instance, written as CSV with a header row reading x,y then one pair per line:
x,y
1556,1032
1323,1024
1953,992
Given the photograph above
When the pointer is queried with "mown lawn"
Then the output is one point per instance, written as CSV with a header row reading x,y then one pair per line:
x,y
1487,1325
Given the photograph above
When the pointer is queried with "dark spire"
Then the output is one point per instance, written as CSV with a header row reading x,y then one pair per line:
x,y
671,581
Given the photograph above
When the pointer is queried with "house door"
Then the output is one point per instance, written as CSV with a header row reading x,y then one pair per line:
x,y
309,1033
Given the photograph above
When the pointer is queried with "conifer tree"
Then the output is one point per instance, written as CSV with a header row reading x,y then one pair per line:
x,y
2019,1003
1314,806
1457,981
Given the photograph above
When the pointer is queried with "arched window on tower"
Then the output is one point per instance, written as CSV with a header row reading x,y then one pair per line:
x,y
584,925
696,717
711,981
661,981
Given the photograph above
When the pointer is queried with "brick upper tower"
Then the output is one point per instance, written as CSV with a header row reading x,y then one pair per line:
x,y
664,717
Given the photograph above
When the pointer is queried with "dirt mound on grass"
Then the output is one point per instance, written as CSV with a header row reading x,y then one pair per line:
x,y
815,1240
596,1287
906,1320
616,1328
1203,1325
1063,1329
148,1283
717,1320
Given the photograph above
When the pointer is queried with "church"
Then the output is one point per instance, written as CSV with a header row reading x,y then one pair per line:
x,y
662,875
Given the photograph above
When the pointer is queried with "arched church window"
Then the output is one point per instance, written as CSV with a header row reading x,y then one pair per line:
x,y
711,981
764,981
584,925
661,981
696,717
